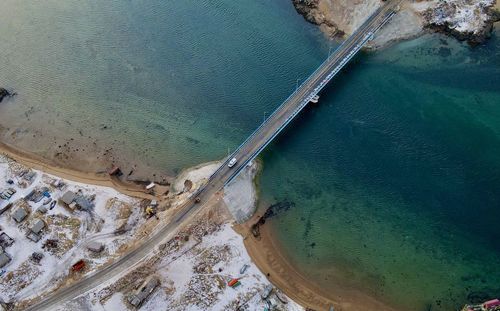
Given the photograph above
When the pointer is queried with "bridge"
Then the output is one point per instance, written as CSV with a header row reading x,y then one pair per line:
x,y
299,99
245,153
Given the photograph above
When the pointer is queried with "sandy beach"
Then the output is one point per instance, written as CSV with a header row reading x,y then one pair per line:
x,y
264,252
192,271
37,162
268,256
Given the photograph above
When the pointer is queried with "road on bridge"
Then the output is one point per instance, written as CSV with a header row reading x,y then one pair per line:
x,y
256,142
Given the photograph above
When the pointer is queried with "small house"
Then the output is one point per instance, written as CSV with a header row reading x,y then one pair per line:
x,y
491,304
36,257
5,208
4,259
84,204
68,197
30,195
29,176
137,299
95,247
42,210
38,226
5,240
20,214
35,231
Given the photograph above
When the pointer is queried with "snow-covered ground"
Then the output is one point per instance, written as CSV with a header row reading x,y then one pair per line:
x,y
194,277
463,16
24,278
193,268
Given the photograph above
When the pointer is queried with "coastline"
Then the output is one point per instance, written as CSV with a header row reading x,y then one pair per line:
x,y
336,19
208,237
267,254
272,253
37,162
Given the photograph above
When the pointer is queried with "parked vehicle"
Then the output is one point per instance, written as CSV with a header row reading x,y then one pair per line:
x,y
244,268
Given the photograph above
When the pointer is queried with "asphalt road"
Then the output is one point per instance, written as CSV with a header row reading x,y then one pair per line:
x,y
247,151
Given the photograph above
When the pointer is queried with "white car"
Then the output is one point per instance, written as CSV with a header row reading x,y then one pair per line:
x,y
232,162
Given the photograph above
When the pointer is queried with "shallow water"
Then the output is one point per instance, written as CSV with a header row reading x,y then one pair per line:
x,y
396,177
395,174
168,83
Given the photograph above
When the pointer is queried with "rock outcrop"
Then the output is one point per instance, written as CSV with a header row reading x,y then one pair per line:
x,y
312,12
466,20
4,93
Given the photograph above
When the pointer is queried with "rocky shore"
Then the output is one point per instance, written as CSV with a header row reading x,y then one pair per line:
x,y
466,20
5,94
470,21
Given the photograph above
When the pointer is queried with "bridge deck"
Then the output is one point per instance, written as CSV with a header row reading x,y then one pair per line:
x,y
254,144
285,113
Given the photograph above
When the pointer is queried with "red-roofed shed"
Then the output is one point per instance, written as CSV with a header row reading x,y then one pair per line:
x,y
491,303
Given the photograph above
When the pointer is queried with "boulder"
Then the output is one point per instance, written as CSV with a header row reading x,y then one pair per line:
x,y
4,93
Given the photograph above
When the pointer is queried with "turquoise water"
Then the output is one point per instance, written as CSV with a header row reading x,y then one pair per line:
x,y
175,83
395,175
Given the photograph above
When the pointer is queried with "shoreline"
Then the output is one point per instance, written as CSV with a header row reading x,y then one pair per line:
x,y
265,253
336,20
180,265
269,257
37,162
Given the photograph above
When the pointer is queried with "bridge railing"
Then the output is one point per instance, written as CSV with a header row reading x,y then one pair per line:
x,y
279,108
307,99
302,85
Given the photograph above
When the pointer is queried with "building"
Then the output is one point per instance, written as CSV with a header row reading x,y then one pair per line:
x,y
42,210
73,200
20,214
5,240
95,247
68,197
148,287
493,304
4,259
84,204
490,305
38,226
5,208
36,231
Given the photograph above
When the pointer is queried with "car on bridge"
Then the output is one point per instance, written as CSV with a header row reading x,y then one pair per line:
x,y
232,162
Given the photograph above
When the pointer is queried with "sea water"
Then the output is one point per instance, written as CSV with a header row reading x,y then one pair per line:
x,y
395,177
395,174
